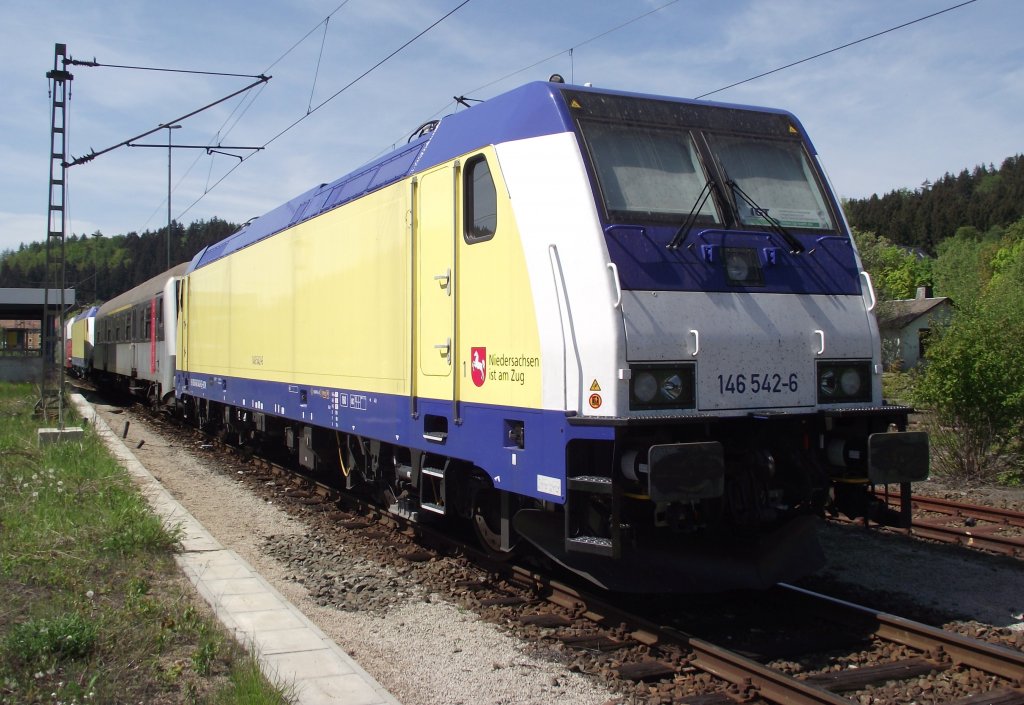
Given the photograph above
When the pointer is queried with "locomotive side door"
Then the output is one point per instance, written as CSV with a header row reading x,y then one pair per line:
x,y
182,332
434,236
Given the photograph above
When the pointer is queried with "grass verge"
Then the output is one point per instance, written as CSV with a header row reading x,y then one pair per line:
x,y
93,608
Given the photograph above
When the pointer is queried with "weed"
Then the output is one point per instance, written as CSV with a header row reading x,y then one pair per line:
x,y
39,643
247,686
202,658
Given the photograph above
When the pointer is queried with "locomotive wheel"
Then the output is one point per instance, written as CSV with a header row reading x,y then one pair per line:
x,y
486,522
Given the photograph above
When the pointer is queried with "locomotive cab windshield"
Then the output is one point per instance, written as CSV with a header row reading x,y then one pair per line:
x,y
656,162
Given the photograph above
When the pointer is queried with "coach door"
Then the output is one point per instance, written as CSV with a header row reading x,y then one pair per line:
x,y
434,204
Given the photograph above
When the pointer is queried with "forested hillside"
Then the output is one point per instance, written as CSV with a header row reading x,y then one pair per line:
x,y
984,198
101,267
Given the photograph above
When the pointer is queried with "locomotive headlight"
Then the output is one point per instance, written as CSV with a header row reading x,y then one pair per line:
x,y
742,266
850,382
645,387
671,388
841,381
826,383
662,387
736,268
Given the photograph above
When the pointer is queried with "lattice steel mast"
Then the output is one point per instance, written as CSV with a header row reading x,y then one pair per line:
x,y
53,327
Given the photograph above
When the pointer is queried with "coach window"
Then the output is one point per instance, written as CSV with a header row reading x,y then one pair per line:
x,y
481,200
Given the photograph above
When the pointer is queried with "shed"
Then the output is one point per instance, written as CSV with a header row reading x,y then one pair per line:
x,y
906,324
21,328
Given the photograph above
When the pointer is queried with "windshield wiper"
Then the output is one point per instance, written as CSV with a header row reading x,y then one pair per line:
x,y
795,246
691,219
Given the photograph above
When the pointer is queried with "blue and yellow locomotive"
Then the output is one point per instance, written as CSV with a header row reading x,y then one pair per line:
x,y
630,330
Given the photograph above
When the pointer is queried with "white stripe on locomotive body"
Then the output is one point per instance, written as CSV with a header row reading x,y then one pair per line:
x,y
581,333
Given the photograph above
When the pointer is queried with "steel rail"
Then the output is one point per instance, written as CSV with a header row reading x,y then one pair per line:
x,y
991,658
977,537
1007,517
753,679
970,537
747,677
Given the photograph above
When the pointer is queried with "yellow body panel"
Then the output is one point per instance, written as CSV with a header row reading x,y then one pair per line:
x,y
330,302
79,333
323,303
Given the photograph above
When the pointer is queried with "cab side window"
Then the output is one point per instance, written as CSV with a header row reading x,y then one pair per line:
x,y
481,199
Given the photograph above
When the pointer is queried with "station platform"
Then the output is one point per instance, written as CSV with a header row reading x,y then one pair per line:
x,y
291,649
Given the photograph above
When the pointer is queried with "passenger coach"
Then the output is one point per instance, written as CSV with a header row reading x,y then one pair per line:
x,y
134,333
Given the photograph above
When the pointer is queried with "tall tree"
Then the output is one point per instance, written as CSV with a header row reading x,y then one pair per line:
x,y
984,197
896,271
973,379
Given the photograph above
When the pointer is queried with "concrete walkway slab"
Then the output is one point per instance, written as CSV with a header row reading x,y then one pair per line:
x,y
291,649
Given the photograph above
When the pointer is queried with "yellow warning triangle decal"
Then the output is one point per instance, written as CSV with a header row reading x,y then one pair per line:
x,y
575,104
595,387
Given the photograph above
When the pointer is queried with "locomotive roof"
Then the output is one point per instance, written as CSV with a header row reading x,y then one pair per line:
x,y
87,313
531,110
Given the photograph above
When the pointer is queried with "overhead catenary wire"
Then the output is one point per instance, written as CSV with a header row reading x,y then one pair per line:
x,y
330,98
835,49
319,58
96,64
568,51
305,36
370,70
241,108
93,153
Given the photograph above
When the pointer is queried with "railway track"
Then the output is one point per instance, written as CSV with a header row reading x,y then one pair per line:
x,y
653,655
658,653
985,528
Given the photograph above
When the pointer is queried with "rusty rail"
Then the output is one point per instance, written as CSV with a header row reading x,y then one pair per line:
x,y
971,535
997,660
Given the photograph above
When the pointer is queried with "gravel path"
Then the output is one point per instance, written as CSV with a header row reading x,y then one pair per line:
x,y
423,650
426,650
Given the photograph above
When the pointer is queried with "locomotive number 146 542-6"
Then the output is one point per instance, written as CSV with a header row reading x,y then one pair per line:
x,y
758,383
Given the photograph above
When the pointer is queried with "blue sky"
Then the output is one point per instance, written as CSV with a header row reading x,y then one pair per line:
x,y
938,96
